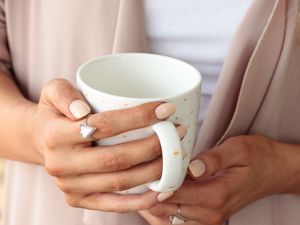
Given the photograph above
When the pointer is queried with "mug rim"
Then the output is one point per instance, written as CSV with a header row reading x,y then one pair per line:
x,y
80,81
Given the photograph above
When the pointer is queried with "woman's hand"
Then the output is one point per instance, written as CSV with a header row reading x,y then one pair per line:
x,y
230,176
86,174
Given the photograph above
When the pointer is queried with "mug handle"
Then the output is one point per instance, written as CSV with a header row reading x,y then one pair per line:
x,y
172,172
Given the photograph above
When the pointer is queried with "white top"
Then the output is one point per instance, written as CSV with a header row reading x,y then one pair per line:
x,y
185,31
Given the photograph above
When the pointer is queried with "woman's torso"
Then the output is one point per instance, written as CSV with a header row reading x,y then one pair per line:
x,y
48,39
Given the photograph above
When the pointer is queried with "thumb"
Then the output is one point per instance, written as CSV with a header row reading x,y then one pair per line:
x,y
213,161
62,97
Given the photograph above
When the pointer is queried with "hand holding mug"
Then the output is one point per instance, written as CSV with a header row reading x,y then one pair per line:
x,y
129,154
85,173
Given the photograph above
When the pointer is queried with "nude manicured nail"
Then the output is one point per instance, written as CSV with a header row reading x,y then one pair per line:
x,y
79,108
197,168
165,110
164,195
181,131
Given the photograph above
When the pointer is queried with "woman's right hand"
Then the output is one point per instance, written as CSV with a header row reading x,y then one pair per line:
x,y
88,174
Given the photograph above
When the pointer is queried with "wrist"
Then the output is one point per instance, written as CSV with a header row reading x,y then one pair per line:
x,y
16,121
30,110
27,111
289,168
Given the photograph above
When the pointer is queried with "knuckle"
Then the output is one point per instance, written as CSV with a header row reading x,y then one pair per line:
x,y
55,87
268,143
146,205
112,161
219,201
73,201
242,145
155,211
103,122
216,218
53,167
120,183
121,211
121,158
54,170
143,113
56,81
156,147
240,142
216,160
64,185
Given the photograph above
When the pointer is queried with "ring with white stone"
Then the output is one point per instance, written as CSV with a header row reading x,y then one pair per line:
x,y
86,130
177,218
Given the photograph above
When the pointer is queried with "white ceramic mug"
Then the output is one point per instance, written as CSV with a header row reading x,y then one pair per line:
x,y
126,80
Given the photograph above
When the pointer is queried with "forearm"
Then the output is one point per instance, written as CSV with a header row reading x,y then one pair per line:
x,y
16,122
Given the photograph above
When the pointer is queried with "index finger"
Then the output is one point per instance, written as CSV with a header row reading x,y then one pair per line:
x,y
111,123
114,122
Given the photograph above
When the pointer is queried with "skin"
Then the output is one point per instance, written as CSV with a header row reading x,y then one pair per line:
x,y
51,135
238,172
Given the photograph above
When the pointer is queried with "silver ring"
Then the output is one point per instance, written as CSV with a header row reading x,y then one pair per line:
x,y
177,218
178,210
86,130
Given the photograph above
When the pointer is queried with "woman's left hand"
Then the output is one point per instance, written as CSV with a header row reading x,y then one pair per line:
x,y
228,177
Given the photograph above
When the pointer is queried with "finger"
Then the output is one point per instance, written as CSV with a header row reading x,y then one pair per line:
x,y
212,193
230,153
193,214
111,182
83,160
117,157
68,132
95,159
108,158
114,122
109,202
61,97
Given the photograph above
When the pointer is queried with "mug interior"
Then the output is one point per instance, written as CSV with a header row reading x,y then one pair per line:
x,y
139,75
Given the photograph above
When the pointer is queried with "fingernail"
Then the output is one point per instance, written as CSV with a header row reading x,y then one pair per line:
x,y
165,110
184,153
164,195
181,131
79,108
197,168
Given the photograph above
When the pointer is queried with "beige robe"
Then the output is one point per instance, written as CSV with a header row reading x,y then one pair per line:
x,y
258,91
